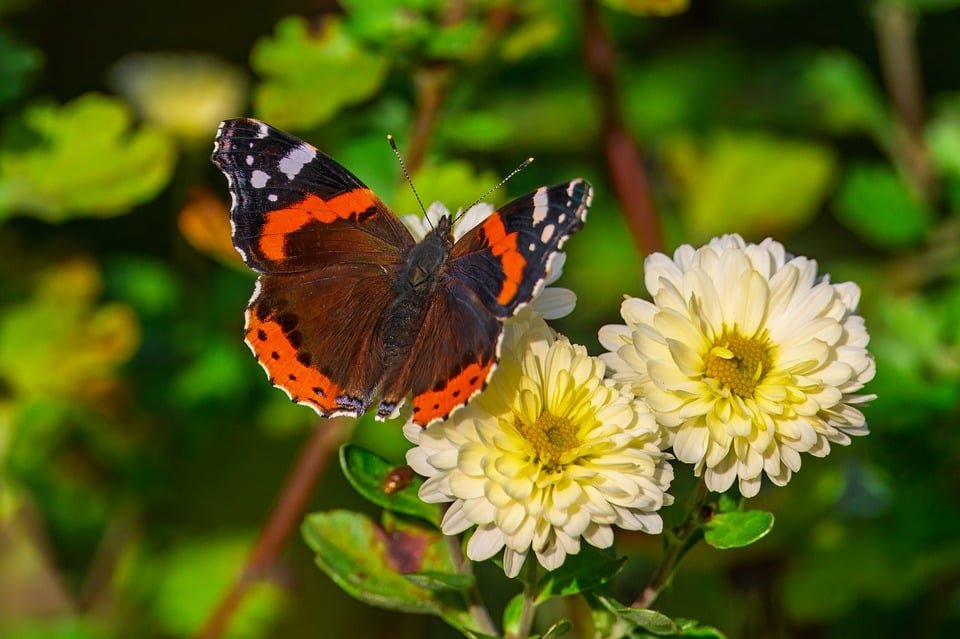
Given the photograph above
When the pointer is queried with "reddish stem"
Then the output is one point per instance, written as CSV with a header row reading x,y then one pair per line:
x,y
284,519
621,152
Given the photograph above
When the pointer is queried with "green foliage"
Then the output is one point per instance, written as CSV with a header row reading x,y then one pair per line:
x,y
18,63
368,472
309,77
587,570
84,161
875,203
191,579
737,529
844,97
788,180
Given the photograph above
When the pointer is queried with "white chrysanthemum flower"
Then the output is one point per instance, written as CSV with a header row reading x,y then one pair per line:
x,y
746,357
553,302
550,452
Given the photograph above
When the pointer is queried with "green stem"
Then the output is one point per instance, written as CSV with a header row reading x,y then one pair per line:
x,y
478,610
682,539
525,624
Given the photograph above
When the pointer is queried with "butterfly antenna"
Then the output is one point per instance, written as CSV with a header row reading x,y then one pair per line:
x,y
522,166
403,167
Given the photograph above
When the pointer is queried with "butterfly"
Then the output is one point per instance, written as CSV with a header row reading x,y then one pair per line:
x,y
348,308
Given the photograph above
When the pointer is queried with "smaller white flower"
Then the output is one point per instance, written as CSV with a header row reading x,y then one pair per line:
x,y
553,302
549,454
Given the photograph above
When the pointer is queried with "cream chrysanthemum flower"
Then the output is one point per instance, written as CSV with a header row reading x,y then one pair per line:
x,y
746,357
553,302
550,452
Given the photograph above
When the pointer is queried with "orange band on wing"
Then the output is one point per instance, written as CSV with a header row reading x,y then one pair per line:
x,y
504,246
313,208
438,404
279,357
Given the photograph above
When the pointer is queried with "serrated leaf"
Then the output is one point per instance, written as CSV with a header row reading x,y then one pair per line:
x,y
874,203
371,563
588,569
441,581
88,162
60,343
749,182
309,77
737,529
366,472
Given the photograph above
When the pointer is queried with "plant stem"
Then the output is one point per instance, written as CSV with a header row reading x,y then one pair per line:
x,y
525,624
284,519
896,40
621,152
478,610
679,542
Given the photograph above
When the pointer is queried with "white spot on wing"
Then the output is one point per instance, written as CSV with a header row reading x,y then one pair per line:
x,y
292,162
272,197
249,160
258,179
573,185
533,246
262,130
540,205
562,217
547,233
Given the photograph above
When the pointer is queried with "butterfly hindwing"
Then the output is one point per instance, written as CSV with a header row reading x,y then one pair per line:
x,y
504,259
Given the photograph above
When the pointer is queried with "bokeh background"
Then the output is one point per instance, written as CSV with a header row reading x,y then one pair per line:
x,y
141,448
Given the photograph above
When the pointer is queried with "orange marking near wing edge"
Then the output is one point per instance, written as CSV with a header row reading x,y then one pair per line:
x,y
304,383
432,405
504,246
281,222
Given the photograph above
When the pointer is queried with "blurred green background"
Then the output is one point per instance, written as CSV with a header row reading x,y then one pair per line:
x,y
141,447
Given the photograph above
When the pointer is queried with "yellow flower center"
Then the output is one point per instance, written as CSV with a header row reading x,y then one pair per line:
x,y
739,363
551,437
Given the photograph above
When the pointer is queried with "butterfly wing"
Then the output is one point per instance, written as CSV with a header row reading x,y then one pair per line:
x,y
326,249
504,259
494,270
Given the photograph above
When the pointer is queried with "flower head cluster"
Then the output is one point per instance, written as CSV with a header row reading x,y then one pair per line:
x,y
747,358
549,454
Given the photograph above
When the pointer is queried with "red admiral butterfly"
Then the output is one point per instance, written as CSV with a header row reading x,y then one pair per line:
x,y
348,307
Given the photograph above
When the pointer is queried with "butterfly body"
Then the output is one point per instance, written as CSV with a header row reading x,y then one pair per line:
x,y
349,308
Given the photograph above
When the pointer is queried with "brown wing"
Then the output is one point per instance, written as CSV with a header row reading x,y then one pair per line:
x,y
454,354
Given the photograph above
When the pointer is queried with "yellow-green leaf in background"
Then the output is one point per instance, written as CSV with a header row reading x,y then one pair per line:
x,y
60,343
455,184
87,161
649,7
309,76
844,98
751,183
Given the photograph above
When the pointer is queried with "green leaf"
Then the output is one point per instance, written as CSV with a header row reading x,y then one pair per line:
x,y
748,182
943,140
588,569
511,615
372,563
18,63
649,7
691,628
309,77
367,472
87,162
558,629
192,578
874,203
442,581
650,620
844,96
737,529
927,6
455,184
